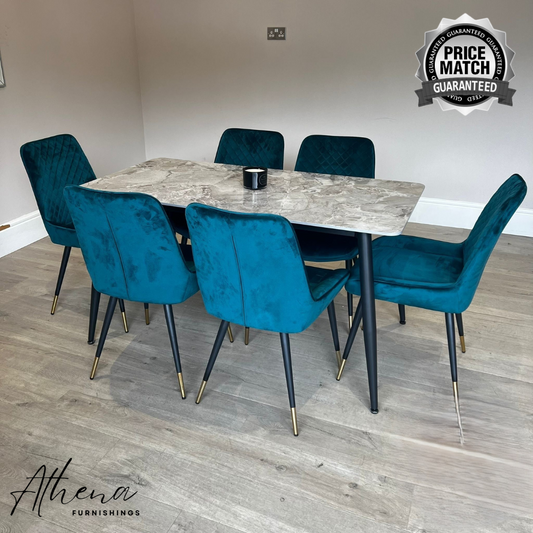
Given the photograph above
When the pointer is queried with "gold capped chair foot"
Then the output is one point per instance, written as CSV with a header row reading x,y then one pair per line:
x,y
341,369
339,358
147,316
463,344
201,392
182,386
294,421
125,321
230,336
458,411
95,364
246,336
350,321
54,305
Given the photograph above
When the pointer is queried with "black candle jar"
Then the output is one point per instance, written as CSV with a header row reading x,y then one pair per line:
x,y
254,177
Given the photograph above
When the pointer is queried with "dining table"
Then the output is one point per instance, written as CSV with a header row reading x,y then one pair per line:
x,y
357,207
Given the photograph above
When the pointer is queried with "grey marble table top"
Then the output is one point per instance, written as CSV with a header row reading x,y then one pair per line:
x,y
375,206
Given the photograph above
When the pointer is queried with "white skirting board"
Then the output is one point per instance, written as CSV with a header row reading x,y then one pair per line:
x,y
22,231
30,228
464,215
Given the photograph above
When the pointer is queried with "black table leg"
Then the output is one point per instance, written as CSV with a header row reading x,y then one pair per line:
x,y
369,316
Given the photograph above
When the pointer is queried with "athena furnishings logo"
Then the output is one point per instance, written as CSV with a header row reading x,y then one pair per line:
x,y
465,64
42,488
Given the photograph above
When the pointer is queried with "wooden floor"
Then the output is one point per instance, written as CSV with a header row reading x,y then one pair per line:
x,y
231,463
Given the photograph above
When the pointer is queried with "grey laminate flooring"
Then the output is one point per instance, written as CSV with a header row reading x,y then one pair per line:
x,y
231,463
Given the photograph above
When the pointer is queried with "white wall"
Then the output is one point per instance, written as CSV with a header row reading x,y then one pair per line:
x,y
70,67
346,68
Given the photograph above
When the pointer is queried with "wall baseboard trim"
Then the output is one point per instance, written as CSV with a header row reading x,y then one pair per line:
x,y
30,228
464,215
21,232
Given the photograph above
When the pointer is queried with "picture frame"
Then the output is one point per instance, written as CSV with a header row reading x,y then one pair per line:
x,y
2,78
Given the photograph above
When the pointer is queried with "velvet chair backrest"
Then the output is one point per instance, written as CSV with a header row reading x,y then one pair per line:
x,y
249,269
488,228
51,164
343,156
129,246
250,148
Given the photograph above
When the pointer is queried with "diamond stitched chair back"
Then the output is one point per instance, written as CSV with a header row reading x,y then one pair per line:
x,y
51,164
250,148
343,156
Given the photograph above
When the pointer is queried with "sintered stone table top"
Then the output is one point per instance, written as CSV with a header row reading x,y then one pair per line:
x,y
376,206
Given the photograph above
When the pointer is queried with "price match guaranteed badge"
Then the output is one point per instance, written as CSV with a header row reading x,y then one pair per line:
x,y
465,64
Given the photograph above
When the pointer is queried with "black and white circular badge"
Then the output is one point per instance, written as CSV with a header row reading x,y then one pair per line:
x,y
465,64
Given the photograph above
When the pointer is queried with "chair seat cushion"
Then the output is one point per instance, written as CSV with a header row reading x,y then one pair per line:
x,y
322,280
63,236
416,272
180,229
323,247
410,265
176,215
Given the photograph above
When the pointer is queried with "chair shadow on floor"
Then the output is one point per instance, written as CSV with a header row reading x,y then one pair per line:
x,y
248,390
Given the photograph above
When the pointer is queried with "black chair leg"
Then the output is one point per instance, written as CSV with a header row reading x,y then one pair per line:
x,y
334,331
123,313
105,328
401,310
459,318
147,314
93,314
214,353
286,349
450,331
349,298
62,269
171,325
351,337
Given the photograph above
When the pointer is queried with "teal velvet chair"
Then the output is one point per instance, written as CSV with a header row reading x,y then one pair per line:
x,y
343,156
436,275
251,273
131,253
51,164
